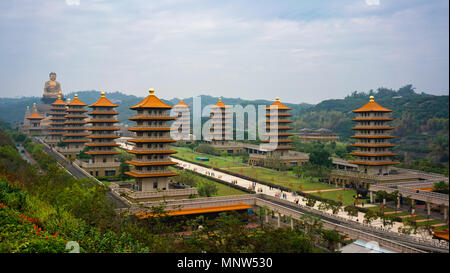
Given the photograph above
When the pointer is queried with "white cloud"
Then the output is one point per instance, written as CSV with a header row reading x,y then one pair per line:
x,y
73,2
373,2
184,48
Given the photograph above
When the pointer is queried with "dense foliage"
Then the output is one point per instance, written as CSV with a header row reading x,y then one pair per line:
x,y
420,121
41,210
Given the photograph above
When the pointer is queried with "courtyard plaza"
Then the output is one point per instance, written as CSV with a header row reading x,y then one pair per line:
x,y
289,196
285,179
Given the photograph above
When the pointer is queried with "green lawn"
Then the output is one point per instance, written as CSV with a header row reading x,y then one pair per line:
x,y
267,175
217,162
223,190
347,196
279,178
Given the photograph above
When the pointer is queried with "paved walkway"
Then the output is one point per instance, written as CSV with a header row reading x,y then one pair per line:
x,y
290,196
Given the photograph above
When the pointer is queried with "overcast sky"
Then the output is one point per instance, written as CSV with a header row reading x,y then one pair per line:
x,y
301,51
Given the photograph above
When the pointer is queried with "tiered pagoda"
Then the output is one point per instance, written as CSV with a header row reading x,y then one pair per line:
x,y
151,164
276,150
58,118
277,127
373,149
181,129
220,130
75,130
102,145
35,123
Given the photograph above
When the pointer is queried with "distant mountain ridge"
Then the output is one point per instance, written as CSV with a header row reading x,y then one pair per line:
x,y
420,120
13,109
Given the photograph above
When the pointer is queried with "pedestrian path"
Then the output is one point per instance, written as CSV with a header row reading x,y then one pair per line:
x,y
439,225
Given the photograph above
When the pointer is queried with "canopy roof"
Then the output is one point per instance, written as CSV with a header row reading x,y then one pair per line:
x,y
151,101
35,115
372,106
59,101
220,104
181,104
279,104
76,102
103,101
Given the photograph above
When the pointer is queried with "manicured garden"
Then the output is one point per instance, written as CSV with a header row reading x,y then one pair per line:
x,y
214,161
344,196
263,174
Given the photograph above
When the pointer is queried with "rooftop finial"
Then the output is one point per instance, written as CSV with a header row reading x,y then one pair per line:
x,y
277,99
103,94
59,97
76,96
68,100
220,99
152,91
372,98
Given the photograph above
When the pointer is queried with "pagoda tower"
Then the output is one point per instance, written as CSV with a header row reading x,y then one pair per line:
x,y
75,129
151,165
102,136
24,127
181,128
58,117
373,149
35,123
221,130
277,128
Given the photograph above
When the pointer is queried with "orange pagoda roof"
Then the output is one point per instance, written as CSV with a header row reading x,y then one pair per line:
x,y
181,104
239,206
220,104
35,115
279,104
59,101
76,102
103,101
372,106
151,101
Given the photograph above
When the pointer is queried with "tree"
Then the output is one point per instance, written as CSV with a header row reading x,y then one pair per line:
x,y
310,202
124,167
412,204
381,195
351,211
187,178
395,196
207,189
298,171
441,187
388,220
331,238
370,216
335,207
320,157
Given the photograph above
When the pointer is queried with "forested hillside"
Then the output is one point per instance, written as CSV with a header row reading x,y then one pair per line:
x,y
421,120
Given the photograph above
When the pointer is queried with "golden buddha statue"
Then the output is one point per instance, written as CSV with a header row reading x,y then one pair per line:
x,y
52,89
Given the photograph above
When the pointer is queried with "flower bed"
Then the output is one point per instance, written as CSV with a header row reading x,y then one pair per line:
x,y
21,234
